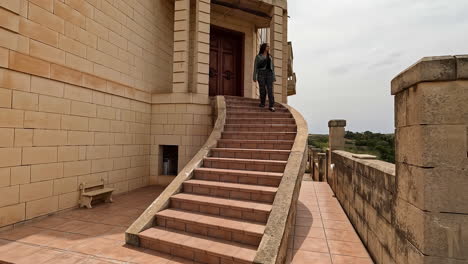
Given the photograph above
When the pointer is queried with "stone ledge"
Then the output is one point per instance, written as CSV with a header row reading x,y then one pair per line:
x,y
274,243
431,69
147,218
364,156
337,123
385,167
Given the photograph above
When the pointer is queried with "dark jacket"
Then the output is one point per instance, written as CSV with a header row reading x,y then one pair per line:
x,y
261,64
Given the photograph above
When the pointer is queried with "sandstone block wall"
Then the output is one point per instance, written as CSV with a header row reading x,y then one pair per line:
x,y
431,120
186,125
366,190
76,78
55,136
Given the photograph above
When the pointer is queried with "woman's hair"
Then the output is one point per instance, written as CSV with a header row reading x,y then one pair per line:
x,y
263,48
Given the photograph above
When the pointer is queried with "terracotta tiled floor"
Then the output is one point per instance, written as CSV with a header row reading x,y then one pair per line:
x,y
323,233
84,236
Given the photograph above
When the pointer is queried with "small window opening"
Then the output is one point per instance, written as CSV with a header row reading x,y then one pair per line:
x,y
170,160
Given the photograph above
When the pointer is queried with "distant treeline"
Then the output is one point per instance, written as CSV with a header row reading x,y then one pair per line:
x,y
380,145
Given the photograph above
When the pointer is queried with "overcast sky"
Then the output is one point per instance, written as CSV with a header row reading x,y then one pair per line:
x,y
346,52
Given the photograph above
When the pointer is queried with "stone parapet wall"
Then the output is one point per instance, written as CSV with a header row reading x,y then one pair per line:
x,y
366,190
431,138
416,211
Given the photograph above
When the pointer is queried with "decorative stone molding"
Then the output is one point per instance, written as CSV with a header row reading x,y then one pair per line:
x,y
274,244
146,219
280,3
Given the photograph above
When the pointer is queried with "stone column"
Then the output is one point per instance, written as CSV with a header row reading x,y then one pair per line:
x,y
201,47
284,89
313,158
276,49
336,141
322,164
180,76
431,119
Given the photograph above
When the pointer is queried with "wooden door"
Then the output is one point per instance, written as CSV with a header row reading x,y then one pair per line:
x,y
226,62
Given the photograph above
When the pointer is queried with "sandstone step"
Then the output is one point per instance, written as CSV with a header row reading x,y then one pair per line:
x,y
258,115
255,103
245,164
239,191
255,144
239,176
248,101
260,121
259,154
230,98
258,135
197,248
231,108
213,226
260,127
246,210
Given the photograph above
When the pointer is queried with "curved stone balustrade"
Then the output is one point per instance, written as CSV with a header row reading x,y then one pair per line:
x,y
146,220
274,244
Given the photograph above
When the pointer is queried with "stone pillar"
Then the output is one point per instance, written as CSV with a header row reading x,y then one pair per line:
x,y
201,47
431,119
309,158
313,158
322,164
336,140
276,49
284,89
180,75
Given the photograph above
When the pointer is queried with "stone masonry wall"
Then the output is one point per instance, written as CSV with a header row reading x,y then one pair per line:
x,y
128,42
431,121
366,191
419,215
54,136
76,78
186,125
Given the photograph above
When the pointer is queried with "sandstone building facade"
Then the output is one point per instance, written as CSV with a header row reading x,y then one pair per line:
x,y
95,89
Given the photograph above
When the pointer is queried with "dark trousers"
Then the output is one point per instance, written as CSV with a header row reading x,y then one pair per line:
x,y
265,83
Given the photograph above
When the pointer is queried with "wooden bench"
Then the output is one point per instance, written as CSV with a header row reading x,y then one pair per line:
x,y
96,191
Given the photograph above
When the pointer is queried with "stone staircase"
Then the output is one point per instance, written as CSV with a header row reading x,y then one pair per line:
x,y
221,212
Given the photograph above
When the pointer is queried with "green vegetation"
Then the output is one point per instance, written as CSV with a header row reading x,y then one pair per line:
x,y
319,141
380,145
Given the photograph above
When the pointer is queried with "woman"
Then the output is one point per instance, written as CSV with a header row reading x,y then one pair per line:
x,y
264,72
